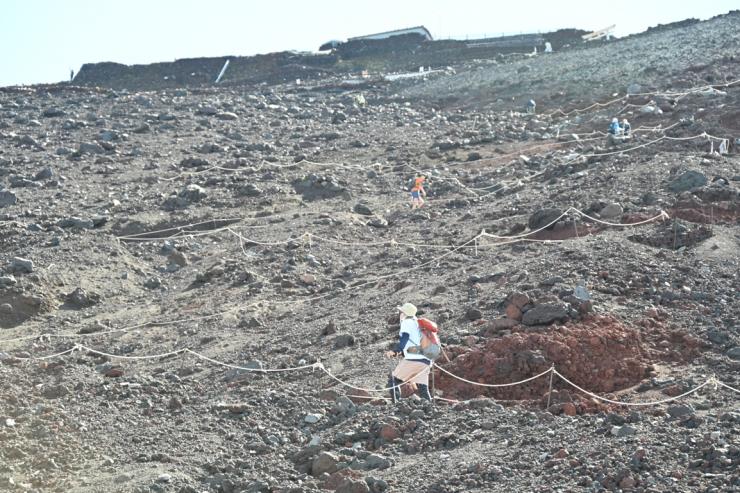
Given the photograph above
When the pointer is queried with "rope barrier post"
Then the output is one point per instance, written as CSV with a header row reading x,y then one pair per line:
x,y
549,392
575,225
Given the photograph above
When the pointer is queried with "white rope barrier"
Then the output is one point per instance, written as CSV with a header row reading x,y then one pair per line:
x,y
363,389
320,366
47,335
493,385
133,358
234,220
727,386
243,368
660,217
633,404
50,356
694,90
470,244
394,242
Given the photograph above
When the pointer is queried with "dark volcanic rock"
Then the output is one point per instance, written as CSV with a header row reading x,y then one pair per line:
x,y
688,181
315,187
543,217
545,313
7,198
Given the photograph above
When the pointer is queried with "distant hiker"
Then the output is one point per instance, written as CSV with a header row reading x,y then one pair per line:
x,y
531,106
614,134
71,75
614,128
417,192
360,100
414,368
548,47
626,128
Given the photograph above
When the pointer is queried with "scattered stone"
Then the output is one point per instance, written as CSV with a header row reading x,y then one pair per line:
x,y
227,115
611,211
514,304
7,198
55,391
313,418
250,190
734,353
680,410
194,162
325,462
717,336
53,112
688,181
188,195
91,148
76,222
79,298
178,258
153,283
44,174
545,313
389,432
473,314
7,281
624,431
362,209
314,187
543,217
20,265
349,485
343,341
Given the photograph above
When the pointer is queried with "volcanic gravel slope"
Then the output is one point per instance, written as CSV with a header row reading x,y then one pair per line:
x,y
269,228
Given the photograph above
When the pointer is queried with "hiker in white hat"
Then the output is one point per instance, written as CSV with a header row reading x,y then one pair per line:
x,y
413,369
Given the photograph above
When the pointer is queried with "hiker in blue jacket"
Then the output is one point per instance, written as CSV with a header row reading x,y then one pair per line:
x,y
614,128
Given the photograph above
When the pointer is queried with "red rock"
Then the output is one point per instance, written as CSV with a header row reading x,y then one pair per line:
x,y
114,372
513,312
359,396
389,432
651,313
338,477
518,299
561,454
470,341
627,482
329,395
569,409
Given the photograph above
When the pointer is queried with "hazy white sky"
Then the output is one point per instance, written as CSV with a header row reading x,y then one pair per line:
x,y
41,40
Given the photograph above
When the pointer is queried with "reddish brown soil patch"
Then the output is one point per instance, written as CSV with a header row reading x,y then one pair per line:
x,y
718,212
601,354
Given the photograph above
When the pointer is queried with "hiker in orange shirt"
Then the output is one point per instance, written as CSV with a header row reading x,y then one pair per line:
x,y
418,192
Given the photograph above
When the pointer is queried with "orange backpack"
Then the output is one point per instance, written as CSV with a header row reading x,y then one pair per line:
x,y
430,346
